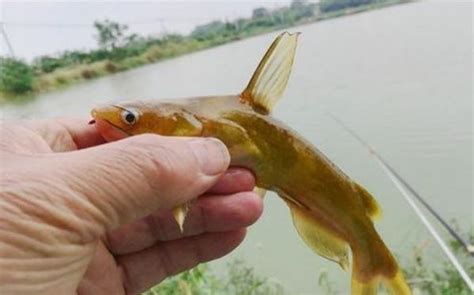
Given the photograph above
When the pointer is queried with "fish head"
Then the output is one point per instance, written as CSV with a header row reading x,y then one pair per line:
x,y
132,118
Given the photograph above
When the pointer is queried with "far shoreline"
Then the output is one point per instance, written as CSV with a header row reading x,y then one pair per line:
x,y
65,77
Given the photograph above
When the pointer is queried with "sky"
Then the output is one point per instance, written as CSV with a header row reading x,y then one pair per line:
x,y
37,28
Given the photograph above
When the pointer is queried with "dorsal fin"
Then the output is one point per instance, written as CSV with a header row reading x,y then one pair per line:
x,y
271,76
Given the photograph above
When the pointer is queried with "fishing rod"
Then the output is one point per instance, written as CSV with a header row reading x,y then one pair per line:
x,y
401,184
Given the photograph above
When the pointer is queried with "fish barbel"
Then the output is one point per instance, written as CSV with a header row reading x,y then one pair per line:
x,y
332,213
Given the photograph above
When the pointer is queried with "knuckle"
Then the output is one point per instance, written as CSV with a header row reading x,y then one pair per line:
x,y
162,162
165,166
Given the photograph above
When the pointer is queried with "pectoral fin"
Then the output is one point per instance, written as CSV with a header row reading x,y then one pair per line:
x,y
260,191
179,213
271,76
318,238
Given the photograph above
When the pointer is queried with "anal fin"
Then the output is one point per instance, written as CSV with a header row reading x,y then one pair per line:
x,y
318,238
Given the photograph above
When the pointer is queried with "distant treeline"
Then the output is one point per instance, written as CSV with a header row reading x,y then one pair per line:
x,y
119,51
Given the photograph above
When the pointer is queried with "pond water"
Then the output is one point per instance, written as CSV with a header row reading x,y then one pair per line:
x,y
401,77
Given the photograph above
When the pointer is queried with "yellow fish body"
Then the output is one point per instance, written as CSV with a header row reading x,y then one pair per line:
x,y
331,212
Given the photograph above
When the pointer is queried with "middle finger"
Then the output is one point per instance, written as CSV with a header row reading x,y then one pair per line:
x,y
208,214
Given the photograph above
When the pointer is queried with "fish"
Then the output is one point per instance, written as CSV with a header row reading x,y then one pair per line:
x,y
332,213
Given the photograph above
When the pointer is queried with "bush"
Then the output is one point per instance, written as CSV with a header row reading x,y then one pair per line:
x,y
332,5
15,76
154,53
132,62
110,67
61,79
88,73
47,64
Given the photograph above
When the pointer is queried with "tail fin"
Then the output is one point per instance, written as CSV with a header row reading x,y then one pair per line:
x,y
372,262
374,265
271,76
395,285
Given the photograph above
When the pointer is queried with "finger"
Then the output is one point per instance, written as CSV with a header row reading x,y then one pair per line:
x,y
144,269
66,134
234,180
108,131
209,214
115,183
83,134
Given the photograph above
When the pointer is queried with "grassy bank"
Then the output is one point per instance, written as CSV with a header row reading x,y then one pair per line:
x,y
48,73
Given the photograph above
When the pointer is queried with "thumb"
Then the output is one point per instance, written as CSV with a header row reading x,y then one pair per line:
x,y
130,178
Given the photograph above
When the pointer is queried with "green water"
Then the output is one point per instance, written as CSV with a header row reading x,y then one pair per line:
x,y
401,77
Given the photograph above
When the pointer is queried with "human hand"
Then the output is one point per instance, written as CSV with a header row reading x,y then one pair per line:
x,y
80,216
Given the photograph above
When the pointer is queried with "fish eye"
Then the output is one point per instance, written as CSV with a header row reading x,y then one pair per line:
x,y
129,117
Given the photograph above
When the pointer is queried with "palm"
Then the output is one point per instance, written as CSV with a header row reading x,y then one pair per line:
x,y
103,275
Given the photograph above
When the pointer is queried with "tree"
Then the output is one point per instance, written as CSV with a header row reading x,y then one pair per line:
x,y
208,31
302,9
110,34
332,5
298,4
260,12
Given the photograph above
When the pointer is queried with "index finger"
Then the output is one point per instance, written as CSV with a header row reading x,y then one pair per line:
x,y
233,181
66,134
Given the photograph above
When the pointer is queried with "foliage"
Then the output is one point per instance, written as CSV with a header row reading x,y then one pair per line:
x,y
119,51
332,5
445,280
326,284
196,281
47,64
260,12
88,73
110,67
242,280
302,9
15,76
110,34
239,280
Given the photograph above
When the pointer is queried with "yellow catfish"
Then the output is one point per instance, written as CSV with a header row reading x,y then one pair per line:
x,y
331,212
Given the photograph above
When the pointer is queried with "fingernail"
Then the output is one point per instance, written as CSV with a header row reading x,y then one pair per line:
x,y
212,155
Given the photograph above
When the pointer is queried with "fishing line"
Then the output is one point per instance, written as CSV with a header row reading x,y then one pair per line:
x,y
431,229
401,184
468,247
